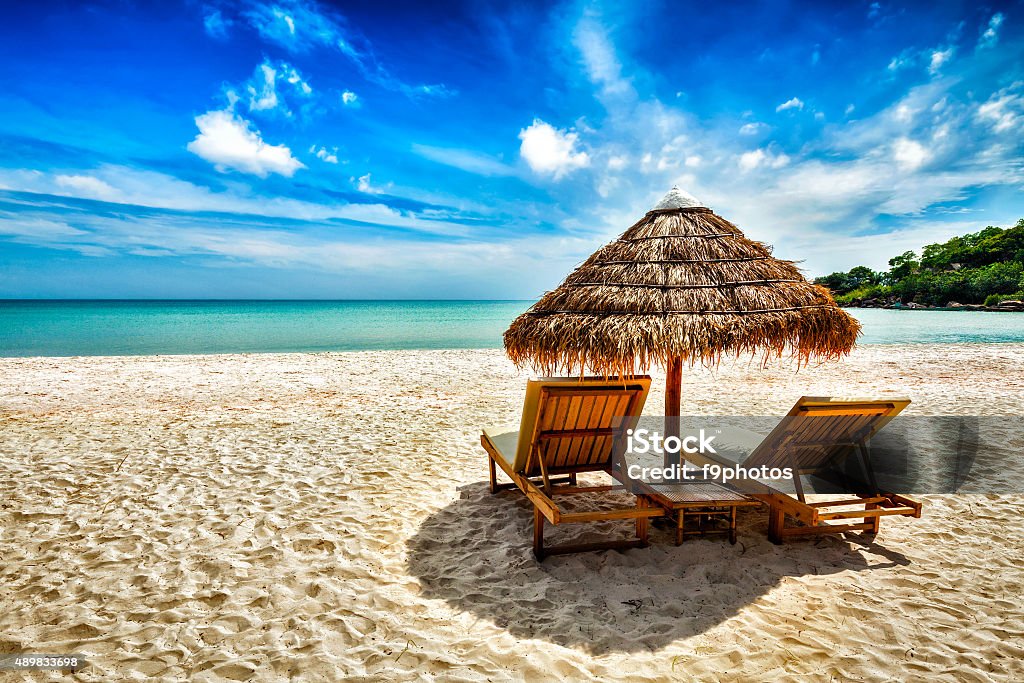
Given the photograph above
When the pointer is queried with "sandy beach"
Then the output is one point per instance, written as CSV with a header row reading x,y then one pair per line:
x,y
326,516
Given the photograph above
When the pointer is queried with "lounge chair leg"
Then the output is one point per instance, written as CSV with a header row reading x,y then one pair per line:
x,y
776,520
876,522
538,534
494,475
641,522
680,524
732,524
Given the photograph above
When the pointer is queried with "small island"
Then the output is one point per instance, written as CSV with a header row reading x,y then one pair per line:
x,y
981,271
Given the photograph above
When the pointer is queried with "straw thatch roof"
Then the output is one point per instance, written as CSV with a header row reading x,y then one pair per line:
x,y
681,283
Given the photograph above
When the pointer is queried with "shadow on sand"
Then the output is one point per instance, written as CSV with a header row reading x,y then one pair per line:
x,y
475,554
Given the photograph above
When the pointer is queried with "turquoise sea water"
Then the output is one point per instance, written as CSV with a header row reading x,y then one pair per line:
x,y
103,328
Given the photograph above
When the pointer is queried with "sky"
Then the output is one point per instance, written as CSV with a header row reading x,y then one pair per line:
x,y
296,149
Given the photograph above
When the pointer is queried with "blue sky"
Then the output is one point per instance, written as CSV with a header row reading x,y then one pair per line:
x,y
480,150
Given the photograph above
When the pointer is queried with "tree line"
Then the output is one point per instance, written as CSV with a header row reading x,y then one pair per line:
x,y
985,267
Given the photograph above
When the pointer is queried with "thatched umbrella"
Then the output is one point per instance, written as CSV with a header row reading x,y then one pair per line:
x,y
682,285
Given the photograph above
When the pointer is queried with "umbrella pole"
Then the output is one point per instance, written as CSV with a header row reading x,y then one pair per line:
x,y
673,400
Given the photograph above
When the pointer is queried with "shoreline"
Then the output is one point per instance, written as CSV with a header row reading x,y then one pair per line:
x,y
970,308
488,349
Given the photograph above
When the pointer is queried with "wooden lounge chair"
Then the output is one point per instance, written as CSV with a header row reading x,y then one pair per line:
x,y
567,428
813,438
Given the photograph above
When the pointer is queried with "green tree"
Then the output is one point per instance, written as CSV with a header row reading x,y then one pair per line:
x,y
837,283
861,276
901,267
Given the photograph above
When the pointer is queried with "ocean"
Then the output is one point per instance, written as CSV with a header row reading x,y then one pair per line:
x,y
109,328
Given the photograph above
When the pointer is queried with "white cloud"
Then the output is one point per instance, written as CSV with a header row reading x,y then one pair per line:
x,y
87,186
365,265
322,153
693,161
990,36
599,58
901,61
1004,110
464,159
550,151
349,98
364,184
263,86
292,24
940,58
229,142
791,103
762,157
263,92
752,128
215,25
41,229
908,154
903,113
291,75
617,162
300,26
133,187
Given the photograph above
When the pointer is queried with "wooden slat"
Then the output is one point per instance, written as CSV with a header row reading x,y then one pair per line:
x,y
791,506
568,434
607,515
847,409
823,529
619,406
602,445
578,423
597,418
588,422
852,501
876,512
908,502
558,422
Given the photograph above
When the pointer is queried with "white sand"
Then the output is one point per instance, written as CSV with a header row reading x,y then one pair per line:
x,y
326,516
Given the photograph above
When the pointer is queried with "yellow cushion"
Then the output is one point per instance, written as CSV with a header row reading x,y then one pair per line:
x,y
504,440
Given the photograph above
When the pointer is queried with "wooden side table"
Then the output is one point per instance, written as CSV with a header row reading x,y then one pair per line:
x,y
704,498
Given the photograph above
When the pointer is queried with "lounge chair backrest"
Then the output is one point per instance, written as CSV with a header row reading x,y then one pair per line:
x,y
817,429
571,421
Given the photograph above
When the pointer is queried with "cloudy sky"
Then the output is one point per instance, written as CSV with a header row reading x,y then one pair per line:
x,y
404,150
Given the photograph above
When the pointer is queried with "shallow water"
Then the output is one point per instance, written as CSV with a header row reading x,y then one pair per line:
x,y
103,328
